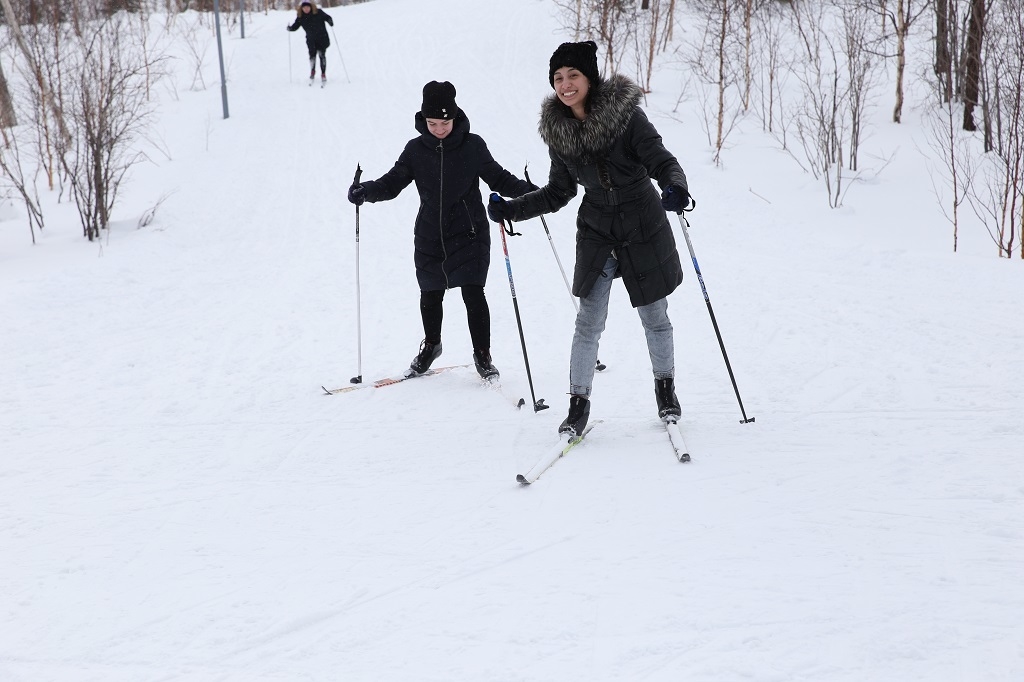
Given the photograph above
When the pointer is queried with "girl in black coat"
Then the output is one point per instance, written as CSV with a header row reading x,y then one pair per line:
x,y
598,137
313,21
451,236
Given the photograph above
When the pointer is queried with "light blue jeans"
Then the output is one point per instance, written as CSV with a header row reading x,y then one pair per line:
x,y
590,323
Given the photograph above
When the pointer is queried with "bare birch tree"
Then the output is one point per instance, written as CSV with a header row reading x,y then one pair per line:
x,y
13,163
8,117
104,94
772,67
998,198
821,119
901,15
955,157
47,97
716,60
861,73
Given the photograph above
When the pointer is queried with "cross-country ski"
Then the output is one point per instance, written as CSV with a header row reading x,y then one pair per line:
x,y
390,381
678,443
566,442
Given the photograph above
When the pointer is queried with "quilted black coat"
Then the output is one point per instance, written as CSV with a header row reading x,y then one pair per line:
x,y
452,234
613,154
314,24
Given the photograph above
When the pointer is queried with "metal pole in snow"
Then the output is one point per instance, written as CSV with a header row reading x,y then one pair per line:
x,y
220,54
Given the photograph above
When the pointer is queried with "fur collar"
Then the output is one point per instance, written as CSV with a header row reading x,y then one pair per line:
x,y
612,103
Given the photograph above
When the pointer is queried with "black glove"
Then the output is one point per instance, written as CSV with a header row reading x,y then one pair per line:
x,y
357,194
675,198
498,209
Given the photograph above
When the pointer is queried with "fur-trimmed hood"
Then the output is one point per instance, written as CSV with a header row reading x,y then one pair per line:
x,y
611,101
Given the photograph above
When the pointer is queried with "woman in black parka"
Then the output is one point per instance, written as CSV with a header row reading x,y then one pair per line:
x,y
598,137
313,20
451,236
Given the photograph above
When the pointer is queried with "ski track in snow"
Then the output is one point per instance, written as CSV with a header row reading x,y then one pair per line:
x,y
179,500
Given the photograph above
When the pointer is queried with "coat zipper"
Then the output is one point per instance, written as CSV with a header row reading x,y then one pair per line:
x,y
469,217
440,217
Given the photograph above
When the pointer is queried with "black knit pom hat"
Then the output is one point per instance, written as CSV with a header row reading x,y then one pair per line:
x,y
580,56
439,100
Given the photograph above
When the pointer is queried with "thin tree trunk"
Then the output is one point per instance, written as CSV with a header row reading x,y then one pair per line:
x,y
943,63
721,78
748,76
8,117
901,58
972,66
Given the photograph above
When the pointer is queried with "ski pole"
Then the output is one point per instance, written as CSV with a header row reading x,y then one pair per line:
x,y
700,278
291,74
538,405
358,379
341,56
600,366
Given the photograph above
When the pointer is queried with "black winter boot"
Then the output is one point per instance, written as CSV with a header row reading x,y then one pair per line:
x,y
668,403
579,413
428,353
484,366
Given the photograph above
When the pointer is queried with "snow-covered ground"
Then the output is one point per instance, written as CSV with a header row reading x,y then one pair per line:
x,y
180,501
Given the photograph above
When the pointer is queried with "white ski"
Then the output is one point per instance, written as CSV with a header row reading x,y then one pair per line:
x,y
390,381
678,444
565,444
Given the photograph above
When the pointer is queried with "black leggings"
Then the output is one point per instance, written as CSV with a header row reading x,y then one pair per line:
x,y
477,314
313,52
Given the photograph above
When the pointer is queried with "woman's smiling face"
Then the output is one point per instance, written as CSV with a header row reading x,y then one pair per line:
x,y
571,86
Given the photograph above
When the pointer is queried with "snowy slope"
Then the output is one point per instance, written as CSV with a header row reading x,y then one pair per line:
x,y
179,500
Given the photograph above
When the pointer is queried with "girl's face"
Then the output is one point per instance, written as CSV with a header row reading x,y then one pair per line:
x,y
440,127
306,9
571,86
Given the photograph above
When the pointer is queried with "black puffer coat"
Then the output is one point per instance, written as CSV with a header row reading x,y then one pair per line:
x,y
452,236
614,154
314,24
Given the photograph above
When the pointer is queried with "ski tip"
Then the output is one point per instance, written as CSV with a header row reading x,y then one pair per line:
x,y
519,405
522,479
327,391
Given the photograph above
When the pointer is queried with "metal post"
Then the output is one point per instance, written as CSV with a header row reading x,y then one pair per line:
x,y
220,54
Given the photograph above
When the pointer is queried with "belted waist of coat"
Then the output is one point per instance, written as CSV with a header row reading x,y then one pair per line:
x,y
619,195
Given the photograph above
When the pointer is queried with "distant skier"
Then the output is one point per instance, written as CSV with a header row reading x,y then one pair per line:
x,y
599,137
451,234
312,19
